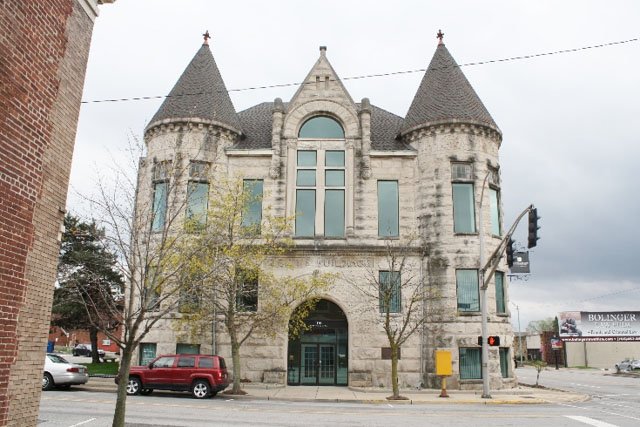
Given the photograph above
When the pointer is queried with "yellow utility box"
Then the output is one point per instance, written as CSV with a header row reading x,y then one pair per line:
x,y
443,363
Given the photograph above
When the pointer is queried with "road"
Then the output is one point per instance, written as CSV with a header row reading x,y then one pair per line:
x,y
614,403
611,394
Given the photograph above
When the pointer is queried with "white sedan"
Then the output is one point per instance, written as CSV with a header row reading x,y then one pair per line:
x,y
60,373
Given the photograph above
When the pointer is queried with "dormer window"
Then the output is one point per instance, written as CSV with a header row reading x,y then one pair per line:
x,y
321,127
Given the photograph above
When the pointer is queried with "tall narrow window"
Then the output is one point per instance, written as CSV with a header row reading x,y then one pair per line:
x,y
147,352
160,192
500,301
464,220
247,291
470,363
467,290
252,214
504,362
151,292
494,202
390,292
334,194
306,193
388,201
197,196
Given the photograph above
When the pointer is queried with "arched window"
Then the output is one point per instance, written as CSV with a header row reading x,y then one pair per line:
x,y
321,127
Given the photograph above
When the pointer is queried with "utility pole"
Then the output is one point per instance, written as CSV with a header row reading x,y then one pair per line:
x,y
484,278
483,298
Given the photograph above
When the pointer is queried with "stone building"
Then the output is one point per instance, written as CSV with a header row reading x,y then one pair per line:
x,y
356,177
43,55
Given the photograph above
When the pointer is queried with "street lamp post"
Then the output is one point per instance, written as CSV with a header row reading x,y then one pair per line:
x,y
519,333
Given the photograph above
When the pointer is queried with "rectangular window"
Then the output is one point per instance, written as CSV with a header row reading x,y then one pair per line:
x,y
182,348
470,363
495,211
500,301
147,353
388,209
247,291
464,220
305,221
467,290
334,213
390,292
305,213
504,362
159,205
189,298
252,214
197,205
151,292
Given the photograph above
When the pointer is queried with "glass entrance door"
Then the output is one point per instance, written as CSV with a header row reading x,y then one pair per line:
x,y
318,364
309,364
327,364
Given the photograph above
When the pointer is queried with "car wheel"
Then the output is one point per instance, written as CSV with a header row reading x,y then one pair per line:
x,y
146,391
200,389
74,353
47,381
133,386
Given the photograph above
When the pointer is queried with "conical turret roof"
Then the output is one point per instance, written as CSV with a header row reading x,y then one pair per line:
x,y
200,93
445,95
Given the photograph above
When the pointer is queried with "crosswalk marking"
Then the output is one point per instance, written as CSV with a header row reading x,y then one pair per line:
x,y
590,421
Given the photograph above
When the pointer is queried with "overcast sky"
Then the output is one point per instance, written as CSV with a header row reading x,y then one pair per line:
x,y
570,121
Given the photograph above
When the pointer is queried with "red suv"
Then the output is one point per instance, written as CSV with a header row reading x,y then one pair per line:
x,y
202,375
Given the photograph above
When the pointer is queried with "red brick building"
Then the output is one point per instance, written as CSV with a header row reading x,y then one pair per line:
x,y
44,47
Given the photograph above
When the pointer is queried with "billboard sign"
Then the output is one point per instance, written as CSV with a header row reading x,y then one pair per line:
x,y
599,326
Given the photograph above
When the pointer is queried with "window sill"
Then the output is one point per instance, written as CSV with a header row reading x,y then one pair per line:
x,y
317,238
475,233
502,314
471,381
388,237
469,313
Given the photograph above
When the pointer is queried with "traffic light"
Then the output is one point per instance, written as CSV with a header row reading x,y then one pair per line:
x,y
510,243
533,228
492,340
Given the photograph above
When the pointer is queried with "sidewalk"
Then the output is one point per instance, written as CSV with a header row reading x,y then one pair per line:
x,y
517,396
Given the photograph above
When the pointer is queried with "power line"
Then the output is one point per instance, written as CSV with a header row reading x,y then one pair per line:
x,y
368,76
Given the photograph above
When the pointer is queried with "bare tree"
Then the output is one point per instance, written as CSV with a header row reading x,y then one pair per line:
x,y
395,290
142,209
232,279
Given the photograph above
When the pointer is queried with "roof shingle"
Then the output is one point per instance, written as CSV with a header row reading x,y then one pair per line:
x,y
257,123
200,93
444,95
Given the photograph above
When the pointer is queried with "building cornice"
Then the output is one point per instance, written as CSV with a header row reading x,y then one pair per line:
x,y
91,7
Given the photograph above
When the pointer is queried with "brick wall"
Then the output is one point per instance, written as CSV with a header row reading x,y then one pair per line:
x,y
44,47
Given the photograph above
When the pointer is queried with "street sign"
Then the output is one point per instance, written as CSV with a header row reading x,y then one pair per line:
x,y
520,263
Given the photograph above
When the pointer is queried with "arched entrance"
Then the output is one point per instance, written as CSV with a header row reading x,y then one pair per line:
x,y
320,355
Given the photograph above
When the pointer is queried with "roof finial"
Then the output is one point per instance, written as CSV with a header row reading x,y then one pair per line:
x,y
206,37
323,50
440,36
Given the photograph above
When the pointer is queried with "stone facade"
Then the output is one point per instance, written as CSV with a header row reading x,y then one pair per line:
x,y
44,48
376,148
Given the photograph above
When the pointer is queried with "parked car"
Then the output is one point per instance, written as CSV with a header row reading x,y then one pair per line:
x,y
202,375
628,365
62,374
85,350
